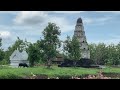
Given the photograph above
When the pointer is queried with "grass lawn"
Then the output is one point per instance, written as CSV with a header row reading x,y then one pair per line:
x,y
14,73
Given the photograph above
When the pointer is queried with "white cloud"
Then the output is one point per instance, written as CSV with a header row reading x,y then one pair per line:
x,y
88,20
30,17
113,39
42,18
107,42
63,23
39,17
7,39
69,12
114,12
103,19
5,34
9,12
97,21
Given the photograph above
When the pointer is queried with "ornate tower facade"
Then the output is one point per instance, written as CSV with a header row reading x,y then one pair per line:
x,y
80,34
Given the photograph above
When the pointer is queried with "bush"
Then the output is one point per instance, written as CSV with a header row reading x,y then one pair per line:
x,y
3,62
109,62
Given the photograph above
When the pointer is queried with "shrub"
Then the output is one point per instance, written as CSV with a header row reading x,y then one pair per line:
x,y
3,62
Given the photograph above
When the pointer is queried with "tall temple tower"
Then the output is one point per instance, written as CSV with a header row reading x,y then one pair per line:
x,y
80,34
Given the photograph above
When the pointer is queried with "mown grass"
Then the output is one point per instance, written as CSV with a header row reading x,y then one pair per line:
x,y
16,73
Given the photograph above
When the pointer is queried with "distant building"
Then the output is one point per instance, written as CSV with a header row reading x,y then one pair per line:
x,y
58,59
80,34
18,57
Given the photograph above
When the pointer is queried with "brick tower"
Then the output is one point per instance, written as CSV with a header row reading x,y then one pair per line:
x,y
80,34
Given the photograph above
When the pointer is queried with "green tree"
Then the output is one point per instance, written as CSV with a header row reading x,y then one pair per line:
x,y
0,42
118,54
92,48
98,53
67,47
72,48
101,53
1,51
33,54
105,55
51,42
41,53
112,55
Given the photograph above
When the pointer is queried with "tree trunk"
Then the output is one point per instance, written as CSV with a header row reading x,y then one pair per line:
x,y
32,64
75,63
48,63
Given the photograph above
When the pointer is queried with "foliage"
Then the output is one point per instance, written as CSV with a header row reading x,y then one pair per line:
x,y
2,53
72,49
98,53
32,54
4,62
41,53
51,42
105,54
0,42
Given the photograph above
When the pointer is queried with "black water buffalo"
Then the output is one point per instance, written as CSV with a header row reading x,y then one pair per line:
x,y
23,65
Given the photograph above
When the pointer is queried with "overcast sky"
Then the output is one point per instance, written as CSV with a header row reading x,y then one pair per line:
x,y
99,26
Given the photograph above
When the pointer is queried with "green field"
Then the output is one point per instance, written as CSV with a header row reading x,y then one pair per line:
x,y
16,73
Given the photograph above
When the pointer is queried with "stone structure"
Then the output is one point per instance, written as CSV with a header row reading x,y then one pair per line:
x,y
80,34
58,59
18,57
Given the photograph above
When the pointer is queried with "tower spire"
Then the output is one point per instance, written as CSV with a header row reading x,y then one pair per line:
x,y
79,20
80,34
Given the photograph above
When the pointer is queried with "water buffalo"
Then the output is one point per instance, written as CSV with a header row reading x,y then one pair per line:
x,y
23,65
